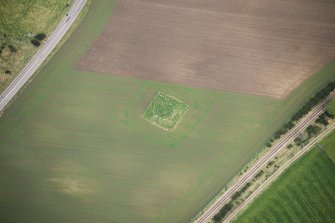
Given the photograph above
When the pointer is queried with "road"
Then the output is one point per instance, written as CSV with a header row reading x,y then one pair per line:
x,y
214,208
273,177
24,76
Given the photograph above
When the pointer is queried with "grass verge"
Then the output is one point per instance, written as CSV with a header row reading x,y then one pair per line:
x,y
21,21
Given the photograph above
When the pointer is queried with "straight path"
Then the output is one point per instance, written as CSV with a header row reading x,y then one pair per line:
x,y
9,93
214,208
280,171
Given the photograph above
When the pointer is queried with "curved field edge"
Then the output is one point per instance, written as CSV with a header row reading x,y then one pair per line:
x,y
304,193
77,141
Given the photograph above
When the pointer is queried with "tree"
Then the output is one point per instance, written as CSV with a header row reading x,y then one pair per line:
x,y
313,130
223,212
40,36
297,141
12,48
322,119
35,42
259,174
236,195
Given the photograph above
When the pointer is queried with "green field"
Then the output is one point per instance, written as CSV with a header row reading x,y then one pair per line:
x,y
74,147
329,146
331,107
165,111
305,193
20,21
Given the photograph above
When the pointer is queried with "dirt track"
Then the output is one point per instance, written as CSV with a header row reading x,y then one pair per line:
x,y
263,47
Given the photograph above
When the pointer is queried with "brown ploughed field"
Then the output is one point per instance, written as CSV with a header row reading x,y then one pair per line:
x,y
263,47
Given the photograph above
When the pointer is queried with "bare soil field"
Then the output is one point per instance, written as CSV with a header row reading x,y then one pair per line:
x,y
264,47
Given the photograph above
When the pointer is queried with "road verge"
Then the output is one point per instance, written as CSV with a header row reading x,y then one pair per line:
x,y
43,54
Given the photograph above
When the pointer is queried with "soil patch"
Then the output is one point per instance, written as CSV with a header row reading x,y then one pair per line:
x,y
267,47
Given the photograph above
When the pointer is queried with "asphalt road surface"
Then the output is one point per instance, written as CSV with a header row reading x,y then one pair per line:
x,y
24,76
214,208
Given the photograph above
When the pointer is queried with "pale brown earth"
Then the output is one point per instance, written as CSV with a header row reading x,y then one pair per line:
x,y
263,47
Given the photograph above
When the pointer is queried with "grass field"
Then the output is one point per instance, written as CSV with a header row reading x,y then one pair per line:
x,y
165,111
331,107
20,20
74,147
329,146
305,193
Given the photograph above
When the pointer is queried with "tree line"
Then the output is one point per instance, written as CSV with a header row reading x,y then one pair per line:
x,y
316,99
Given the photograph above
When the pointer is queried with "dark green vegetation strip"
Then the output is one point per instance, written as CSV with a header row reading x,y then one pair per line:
x,y
315,100
73,147
305,193
230,205
24,24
